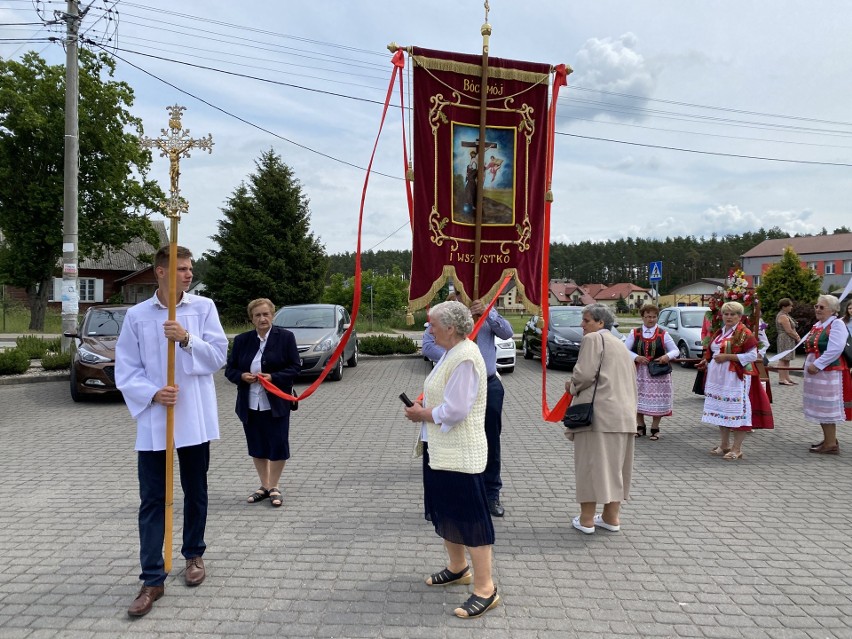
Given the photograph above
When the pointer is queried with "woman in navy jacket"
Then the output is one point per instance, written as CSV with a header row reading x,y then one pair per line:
x,y
269,352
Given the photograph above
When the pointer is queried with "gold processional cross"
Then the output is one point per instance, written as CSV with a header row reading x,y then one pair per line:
x,y
174,144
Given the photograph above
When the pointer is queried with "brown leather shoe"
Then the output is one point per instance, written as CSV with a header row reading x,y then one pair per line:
x,y
826,450
195,573
144,601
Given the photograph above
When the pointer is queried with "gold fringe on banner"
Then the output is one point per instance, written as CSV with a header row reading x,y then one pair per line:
x,y
465,68
450,272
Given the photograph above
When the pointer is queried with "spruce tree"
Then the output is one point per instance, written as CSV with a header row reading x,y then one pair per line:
x,y
266,247
786,278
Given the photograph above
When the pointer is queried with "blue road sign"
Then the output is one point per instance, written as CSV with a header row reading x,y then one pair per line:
x,y
655,270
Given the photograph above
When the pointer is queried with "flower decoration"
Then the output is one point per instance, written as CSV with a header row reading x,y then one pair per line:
x,y
736,289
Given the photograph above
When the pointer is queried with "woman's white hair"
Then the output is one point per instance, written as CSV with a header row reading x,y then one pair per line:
x,y
734,307
830,301
600,313
453,314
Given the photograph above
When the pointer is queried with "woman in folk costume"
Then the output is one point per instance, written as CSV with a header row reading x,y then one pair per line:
x,y
827,388
734,398
650,342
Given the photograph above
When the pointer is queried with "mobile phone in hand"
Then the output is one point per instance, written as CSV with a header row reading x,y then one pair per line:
x,y
405,400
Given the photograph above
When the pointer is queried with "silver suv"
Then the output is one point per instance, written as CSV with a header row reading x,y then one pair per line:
x,y
684,324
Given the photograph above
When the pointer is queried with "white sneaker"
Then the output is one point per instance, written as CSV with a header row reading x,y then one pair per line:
x,y
587,530
600,522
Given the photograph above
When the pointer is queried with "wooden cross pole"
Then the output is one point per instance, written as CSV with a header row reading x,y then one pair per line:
x,y
174,143
485,30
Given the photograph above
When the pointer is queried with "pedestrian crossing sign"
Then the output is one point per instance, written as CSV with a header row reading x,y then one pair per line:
x,y
655,270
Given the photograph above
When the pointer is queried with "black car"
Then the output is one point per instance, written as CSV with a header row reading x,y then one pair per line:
x,y
93,367
564,335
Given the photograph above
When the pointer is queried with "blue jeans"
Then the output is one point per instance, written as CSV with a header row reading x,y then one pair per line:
x,y
493,428
194,462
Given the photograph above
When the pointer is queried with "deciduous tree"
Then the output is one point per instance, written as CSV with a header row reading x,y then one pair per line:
x,y
787,278
114,191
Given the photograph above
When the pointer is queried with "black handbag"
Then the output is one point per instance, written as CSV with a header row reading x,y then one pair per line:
x,y
656,369
578,415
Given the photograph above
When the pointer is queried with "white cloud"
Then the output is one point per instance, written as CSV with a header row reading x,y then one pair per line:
x,y
730,219
614,65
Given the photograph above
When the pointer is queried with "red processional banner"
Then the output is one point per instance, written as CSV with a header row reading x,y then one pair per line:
x,y
447,93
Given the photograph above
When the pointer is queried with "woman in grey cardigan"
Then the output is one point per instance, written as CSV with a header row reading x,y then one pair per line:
x,y
603,452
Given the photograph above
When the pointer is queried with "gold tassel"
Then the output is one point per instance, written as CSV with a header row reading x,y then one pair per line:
x,y
548,197
409,318
409,174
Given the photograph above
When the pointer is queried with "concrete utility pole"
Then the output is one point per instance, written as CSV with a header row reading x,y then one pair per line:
x,y
70,295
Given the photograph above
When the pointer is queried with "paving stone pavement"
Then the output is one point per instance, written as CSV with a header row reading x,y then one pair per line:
x,y
758,548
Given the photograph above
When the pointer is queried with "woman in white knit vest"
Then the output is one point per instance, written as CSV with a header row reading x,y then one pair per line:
x,y
454,449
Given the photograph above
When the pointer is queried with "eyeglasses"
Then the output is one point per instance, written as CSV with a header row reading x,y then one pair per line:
x,y
819,307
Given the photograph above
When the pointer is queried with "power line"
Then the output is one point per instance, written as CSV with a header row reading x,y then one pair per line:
x,y
703,133
243,75
349,97
709,118
240,40
253,29
147,43
715,108
241,119
727,155
382,241
370,52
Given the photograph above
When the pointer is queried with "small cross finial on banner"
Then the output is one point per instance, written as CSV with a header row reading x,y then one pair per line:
x,y
175,143
487,9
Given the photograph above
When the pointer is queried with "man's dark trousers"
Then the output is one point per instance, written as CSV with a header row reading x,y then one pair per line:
x,y
194,462
493,428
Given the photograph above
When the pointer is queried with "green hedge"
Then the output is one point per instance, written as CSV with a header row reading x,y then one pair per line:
x,y
33,346
386,345
56,361
13,362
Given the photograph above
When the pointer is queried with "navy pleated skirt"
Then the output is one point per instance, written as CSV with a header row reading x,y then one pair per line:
x,y
268,437
456,505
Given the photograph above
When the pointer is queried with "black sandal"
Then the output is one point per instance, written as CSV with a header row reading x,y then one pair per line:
x,y
275,497
259,495
475,605
654,436
447,577
640,430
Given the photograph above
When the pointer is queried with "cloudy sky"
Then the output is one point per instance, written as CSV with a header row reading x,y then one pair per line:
x,y
665,101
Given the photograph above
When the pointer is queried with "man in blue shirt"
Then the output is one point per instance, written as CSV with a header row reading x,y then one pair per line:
x,y
494,325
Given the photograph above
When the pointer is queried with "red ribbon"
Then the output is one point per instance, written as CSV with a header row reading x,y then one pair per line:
x,y
558,412
398,61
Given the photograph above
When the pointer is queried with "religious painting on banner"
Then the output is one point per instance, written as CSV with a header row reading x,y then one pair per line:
x,y
446,145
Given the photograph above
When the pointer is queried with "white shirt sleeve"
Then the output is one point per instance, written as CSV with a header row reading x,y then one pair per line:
x,y
459,396
671,348
629,344
748,357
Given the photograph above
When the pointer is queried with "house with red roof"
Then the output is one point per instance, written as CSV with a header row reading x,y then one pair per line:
x,y
634,296
830,256
568,293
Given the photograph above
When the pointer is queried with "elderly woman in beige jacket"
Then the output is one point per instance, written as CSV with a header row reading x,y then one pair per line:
x,y
603,452
455,451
